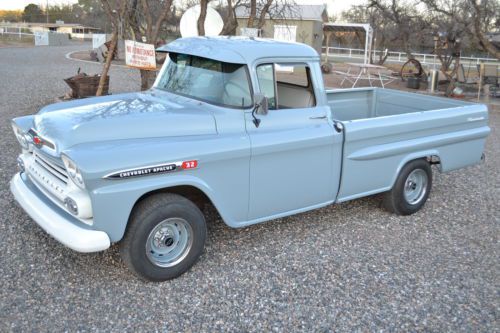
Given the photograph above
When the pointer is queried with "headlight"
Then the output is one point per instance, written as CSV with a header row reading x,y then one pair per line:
x,y
73,172
21,136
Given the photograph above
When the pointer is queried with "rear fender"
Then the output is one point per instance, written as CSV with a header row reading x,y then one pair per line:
x,y
410,157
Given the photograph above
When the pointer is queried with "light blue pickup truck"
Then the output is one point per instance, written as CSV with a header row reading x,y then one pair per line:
x,y
243,124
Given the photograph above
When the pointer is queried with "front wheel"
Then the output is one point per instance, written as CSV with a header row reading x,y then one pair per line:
x,y
165,237
411,190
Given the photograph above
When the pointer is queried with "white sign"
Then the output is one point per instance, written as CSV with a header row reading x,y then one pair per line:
x,y
250,32
98,40
140,55
41,38
286,33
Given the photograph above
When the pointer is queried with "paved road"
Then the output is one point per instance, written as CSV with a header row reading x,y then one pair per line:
x,y
351,267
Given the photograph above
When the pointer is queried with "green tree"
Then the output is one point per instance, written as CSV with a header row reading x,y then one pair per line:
x,y
10,15
91,13
63,12
32,13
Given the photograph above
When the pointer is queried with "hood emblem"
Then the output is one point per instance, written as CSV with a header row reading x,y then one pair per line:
x,y
37,141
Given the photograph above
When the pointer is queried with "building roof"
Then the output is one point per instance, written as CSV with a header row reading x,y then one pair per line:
x,y
290,12
47,25
494,38
347,27
238,49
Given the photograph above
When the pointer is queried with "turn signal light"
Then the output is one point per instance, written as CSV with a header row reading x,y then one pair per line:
x,y
71,205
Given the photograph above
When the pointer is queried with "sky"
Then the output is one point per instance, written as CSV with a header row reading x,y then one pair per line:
x,y
334,6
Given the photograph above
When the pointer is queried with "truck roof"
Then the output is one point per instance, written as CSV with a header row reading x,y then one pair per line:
x,y
238,49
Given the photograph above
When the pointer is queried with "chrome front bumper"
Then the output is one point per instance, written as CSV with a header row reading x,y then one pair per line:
x,y
56,223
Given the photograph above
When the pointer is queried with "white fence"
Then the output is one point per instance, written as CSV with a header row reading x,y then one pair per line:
x,y
20,34
14,32
401,57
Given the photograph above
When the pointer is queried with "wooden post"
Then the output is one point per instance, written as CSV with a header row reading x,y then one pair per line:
x,y
480,81
327,45
107,65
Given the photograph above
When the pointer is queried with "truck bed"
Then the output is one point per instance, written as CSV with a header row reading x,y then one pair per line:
x,y
362,103
385,129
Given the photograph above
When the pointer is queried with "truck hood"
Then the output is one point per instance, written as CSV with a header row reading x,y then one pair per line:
x,y
124,116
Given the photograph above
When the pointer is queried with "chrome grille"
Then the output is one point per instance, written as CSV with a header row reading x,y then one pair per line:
x,y
51,167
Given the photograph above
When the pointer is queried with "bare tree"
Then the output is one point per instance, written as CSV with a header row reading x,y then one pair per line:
x,y
402,15
258,11
114,17
230,23
253,13
145,19
264,11
481,22
202,17
473,18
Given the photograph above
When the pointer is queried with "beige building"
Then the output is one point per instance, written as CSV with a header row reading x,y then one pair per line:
x,y
74,30
298,23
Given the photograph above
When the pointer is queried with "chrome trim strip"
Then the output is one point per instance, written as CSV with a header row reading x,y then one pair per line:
x,y
475,119
146,170
51,168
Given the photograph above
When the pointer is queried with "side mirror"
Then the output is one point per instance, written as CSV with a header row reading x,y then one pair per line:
x,y
261,104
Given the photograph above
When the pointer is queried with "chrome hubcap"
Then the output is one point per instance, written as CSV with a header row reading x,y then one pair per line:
x,y
415,186
169,242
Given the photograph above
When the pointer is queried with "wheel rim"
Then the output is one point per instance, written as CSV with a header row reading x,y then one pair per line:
x,y
415,186
169,242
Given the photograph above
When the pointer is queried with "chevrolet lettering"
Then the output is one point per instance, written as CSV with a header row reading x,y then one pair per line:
x,y
142,171
232,123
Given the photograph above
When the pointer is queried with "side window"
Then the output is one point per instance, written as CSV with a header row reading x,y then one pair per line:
x,y
287,86
265,76
297,75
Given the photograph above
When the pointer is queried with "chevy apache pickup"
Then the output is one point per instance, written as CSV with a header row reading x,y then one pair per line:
x,y
243,124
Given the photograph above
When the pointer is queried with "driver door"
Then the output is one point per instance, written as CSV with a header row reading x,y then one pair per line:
x,y
295,152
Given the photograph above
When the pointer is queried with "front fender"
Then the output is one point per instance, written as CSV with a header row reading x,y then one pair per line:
x,y
222,174
112,204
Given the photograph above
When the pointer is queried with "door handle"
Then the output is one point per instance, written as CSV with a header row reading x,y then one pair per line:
x,y
318,117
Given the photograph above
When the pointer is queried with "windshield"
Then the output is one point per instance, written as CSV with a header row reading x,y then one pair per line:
x,y
208,80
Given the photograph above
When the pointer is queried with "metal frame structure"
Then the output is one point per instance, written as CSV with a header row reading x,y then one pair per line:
x,y
330,28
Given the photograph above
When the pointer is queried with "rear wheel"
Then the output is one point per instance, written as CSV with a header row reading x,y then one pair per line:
x,y
411,190
165,237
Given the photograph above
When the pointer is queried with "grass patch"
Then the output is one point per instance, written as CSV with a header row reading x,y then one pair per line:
x,y
16,40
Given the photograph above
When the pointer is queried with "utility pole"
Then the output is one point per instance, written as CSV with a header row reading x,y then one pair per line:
x,y
47,11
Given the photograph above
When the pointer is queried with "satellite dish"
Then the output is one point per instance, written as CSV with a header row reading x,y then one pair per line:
x,y
189,22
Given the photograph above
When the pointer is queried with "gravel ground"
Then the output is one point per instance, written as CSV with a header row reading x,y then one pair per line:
x,y
348,267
